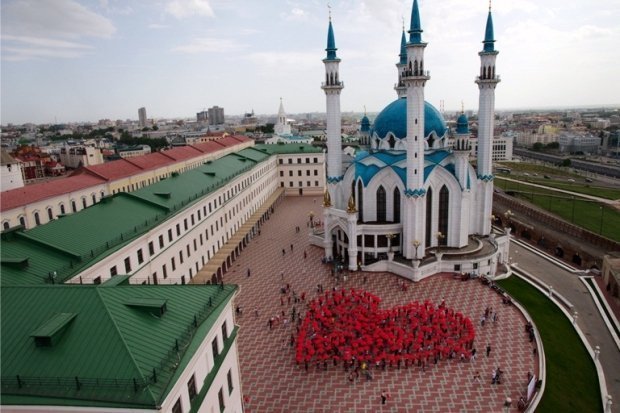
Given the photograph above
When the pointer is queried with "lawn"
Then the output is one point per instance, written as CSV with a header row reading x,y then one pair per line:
x,y
572,381
598,218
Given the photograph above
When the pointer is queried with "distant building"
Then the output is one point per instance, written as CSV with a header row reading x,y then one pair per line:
x,y
216,115
11,172
571,142
133,151
142,117
76,156
202,116
249,119
501,149
282,130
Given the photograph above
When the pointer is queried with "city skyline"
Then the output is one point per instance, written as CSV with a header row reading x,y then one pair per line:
x,y
68,61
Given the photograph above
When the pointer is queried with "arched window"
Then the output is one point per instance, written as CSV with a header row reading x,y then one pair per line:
x,y
50,214
429,216
94,199
37,220
84,202
5,225
22,221
381,204
360,200
415,68
444,203
396,205
73,206
353,189
62,209
392,141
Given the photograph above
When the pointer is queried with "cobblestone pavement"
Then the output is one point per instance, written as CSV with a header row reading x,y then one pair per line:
x,y
271,381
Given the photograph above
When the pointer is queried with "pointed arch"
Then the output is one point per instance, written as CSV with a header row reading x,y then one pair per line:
x,y
396,205
381,204
429,216
444,213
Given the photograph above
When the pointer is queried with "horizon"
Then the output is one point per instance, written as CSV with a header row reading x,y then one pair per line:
x,y
69,61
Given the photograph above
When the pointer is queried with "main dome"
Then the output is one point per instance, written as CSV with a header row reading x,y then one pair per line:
x,y
393,118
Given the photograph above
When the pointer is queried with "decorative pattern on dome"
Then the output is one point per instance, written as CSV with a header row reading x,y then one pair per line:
x,y
393,118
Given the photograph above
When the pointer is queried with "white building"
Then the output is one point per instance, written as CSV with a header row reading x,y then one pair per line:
x,y
76,156
134,151
413,190
282,131
10,171
573,142
501,149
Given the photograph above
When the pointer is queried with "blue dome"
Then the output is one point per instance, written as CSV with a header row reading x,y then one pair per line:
x,y
365,124
393,118
462,126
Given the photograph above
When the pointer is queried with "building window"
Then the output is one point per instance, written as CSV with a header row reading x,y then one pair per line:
x,y
127,265
181,257
5,225
140,256
298,160
173,263
151,249
224,331
177,408
381,204
316,160
185,224
94,199
316,172
50,214
396,217
444,202
62,209
22,221
164,270
191,388
97,280
113,271
230,382
220,397
169,235
281,173
83,202
290,160
37,220
360,200
215,348
178,230
290,173
298,173
161,241
429,215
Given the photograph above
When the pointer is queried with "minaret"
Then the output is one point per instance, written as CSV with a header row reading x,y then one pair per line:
x,y
400,88
415,78
486,116
332,87
461,150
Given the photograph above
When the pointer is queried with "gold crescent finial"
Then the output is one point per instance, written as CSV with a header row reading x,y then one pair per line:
x,y
329,8
489,5
462,107
403,17
351,209
327,201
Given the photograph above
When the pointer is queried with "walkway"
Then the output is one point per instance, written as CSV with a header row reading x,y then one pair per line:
x,y
271,382
568,285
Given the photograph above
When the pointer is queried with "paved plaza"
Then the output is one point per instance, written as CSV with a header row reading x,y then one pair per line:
x,y
272,382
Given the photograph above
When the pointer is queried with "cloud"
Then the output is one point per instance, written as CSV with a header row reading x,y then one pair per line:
x,y
209,45
157,26
47,29
187,8
296,14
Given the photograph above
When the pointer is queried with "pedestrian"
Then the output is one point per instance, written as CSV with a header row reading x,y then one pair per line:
x,y
473,355
291,247
283,252
282,275
384,396
256,311
488,349
248,273
305,254
495,317
270,322
477,377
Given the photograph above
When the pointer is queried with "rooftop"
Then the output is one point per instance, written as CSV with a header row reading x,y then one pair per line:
x,y
139,354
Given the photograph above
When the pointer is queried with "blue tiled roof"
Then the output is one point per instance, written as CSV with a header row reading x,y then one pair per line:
x,y
415,32
488,35
331,43
462,125
393,118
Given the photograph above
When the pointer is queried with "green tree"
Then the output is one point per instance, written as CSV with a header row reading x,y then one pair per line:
x,y
538,146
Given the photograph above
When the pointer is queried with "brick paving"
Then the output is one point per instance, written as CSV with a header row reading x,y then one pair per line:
x,y
271,381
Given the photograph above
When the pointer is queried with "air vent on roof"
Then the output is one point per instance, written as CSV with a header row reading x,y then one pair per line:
x,y
301,148
155,306
50,332
18,262
207,163
210,173
174,174
166,195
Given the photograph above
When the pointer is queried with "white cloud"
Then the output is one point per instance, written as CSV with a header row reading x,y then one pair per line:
x,y
296,14
187,8
54,18
209,45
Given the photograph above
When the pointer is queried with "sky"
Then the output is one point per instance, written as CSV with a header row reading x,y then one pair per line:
x,y
85,60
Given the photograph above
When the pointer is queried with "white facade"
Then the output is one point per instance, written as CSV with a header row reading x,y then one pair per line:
x,y
501,148
133,152
76,156
282,126
10,172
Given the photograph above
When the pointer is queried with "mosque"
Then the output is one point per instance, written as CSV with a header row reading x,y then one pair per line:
x,y
412,203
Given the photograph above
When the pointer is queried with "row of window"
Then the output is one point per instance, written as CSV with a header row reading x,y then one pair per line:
x,y
172,234
299,173
290,160
300,184
192,388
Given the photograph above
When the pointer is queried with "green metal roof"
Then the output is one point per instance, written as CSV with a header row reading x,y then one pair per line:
x,y
110,354
62,248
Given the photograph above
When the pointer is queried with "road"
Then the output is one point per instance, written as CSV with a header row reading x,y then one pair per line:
x,y
591,323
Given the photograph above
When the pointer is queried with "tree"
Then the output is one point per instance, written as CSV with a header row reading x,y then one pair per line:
x,y
565,162
537,147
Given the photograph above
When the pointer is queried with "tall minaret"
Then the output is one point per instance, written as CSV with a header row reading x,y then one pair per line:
x,y
332,87
415,78
400,88
486,116
461,149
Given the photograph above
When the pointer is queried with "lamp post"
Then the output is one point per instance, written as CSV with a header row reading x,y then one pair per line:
x,y
311,216
439,237
416,244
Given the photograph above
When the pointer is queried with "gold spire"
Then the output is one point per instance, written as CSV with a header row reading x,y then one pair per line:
x,y
327,201
351,209
329,8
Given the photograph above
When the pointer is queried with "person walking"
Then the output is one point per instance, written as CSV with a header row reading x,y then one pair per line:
x,y
384,396
488,349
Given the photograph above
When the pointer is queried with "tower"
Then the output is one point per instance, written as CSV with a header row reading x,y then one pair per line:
x,y
399,87
414,78
461,149
142,117
282,127
487,81
332,87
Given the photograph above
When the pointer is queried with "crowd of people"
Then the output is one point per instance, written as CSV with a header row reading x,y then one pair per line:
x,y
349,326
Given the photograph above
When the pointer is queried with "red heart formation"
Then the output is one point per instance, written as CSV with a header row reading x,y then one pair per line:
x,y
349,326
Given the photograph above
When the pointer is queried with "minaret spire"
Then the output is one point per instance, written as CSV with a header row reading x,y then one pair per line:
x,y
399,87
331,41
415,31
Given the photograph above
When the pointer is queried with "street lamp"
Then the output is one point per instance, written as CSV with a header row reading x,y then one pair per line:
x,y
439,237
416,244
389,238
